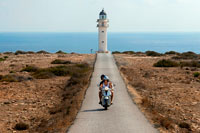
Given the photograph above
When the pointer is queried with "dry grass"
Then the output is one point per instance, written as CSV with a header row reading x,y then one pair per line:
x,y
167,93
72,97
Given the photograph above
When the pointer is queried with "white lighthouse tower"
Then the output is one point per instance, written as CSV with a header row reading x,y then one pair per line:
x,y
102,25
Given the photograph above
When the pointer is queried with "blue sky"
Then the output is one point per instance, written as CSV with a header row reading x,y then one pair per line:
x,y
81,15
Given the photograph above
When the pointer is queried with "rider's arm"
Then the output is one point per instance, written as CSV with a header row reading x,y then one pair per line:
x,y
100,86
110,85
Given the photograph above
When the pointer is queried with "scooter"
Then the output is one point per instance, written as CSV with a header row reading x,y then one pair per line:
x,y
106,97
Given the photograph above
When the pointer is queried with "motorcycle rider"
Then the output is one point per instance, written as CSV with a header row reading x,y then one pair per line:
x,y
106,83
100,92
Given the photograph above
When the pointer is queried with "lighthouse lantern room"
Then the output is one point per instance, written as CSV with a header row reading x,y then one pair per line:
x,y
102,26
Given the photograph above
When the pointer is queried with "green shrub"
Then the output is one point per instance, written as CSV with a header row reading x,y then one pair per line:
x,y
2,59
60,52
1,77
8,53
19,52
166,63
139,53
152,53
185,125
21,126
171,53
43,75
61,71
187,55
128,52
11,72
58,61
116,52
196,74
30,69
9,78
42,52
190,64
30,52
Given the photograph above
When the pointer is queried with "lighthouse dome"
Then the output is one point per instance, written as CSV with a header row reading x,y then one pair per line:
x,y
102,12
102,15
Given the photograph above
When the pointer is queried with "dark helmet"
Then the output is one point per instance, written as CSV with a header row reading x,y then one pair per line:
x,y
102,76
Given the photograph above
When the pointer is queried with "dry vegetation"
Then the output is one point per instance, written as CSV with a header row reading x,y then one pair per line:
x,y
42,92
166,88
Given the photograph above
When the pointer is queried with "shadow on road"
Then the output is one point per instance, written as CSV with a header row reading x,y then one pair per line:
x,y
94,110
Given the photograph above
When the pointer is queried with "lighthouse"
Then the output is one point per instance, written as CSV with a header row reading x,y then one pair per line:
x,y
102,27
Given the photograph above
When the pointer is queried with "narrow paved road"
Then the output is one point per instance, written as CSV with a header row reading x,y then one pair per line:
x,y
122,117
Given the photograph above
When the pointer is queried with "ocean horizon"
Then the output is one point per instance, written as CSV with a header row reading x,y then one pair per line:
x,y
83,42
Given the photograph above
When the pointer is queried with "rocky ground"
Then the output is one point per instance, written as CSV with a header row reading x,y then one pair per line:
x,y
39,105
169,96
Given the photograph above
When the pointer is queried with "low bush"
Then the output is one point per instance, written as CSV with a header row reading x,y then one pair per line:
x,y
139,52
58,61
185,125
166,123
29,69
152,53
2,59
51,72
190,64
43,75
60,52
61,71
187,55
9,78
21,126
42,52
30,52
196,74
19,52
128,52
8,53
171,53
166,63
11,72
116,52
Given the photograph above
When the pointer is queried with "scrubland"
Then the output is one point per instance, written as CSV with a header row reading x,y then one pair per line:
x,y
42,92
166,87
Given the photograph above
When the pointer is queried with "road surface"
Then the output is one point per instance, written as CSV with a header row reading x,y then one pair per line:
x,y
122,117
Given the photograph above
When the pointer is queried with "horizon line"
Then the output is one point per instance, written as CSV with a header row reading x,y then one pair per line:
x,y
97,32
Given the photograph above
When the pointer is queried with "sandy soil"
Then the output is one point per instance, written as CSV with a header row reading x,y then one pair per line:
x,y
169,97
36,102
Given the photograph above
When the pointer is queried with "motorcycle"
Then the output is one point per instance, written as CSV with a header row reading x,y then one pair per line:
x,y
106,97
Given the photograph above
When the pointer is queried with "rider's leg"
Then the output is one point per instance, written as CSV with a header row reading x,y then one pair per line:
x,y
112,94
100,94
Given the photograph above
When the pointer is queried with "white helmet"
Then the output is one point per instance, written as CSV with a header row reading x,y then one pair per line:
x,y
106,78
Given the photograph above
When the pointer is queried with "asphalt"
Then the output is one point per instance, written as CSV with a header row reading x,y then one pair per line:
x,y
122,117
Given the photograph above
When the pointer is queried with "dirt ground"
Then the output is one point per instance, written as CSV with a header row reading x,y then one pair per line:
x,y
169,97
37,105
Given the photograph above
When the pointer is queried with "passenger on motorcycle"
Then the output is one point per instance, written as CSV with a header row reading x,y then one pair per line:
x,y
105,83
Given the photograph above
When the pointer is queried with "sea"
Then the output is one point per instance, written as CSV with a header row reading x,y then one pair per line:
x,y
88,42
